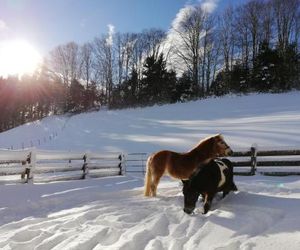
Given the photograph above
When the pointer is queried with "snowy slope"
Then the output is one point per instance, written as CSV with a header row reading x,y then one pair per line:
x,y
111,213
270,120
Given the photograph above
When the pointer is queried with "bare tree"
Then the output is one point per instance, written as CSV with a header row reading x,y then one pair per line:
x,y
124,47
207,52
104,62
64,61
213,51
285,14
152,41
86,56
227,36
254,21
267,23
242,35
103,65
297,30
120,51
189,31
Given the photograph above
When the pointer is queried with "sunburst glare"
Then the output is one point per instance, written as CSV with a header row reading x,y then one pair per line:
x,y
18,57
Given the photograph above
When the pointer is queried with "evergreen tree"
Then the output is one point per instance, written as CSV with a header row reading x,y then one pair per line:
x,y
157,82
234,81
90,96
220,86
185,89
129,89
76,96
265,74
275,70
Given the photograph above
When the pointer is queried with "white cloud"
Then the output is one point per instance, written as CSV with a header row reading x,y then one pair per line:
x,y
181,15
209,5
173,39
111,32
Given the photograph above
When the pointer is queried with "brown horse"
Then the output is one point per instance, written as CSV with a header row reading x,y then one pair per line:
x,y
182,165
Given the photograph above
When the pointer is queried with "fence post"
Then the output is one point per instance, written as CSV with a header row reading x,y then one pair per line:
x,y
85,167
32,165
121,158
25,169
253,159
29,166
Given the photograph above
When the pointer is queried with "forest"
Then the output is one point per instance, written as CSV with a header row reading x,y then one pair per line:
x,y
253,47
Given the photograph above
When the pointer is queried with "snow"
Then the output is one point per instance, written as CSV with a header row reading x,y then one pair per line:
x,y
269,120
111,212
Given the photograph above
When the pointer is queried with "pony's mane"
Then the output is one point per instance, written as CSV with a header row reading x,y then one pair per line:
x,y
203,141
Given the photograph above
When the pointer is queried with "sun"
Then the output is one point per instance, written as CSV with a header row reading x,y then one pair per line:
x,y
18,57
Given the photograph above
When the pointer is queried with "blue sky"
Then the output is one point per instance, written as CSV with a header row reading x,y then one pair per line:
x,y
48,23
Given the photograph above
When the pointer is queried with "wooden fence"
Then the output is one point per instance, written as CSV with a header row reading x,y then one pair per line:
x,y
136,162
267,162
44,166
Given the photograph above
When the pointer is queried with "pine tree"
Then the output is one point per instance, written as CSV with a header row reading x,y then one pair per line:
x,y
265,74
185,89
157,82
76,96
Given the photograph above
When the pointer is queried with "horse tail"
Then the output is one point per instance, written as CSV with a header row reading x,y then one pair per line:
x,y
148,178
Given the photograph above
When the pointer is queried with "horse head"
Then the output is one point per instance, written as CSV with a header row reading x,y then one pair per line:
x,y
219,147
191,196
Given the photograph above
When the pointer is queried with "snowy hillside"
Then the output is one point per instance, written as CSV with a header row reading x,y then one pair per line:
x,y
111,212
267,120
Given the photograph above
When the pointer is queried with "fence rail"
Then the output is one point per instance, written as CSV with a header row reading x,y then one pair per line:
x,y
136,162
43,166
267,162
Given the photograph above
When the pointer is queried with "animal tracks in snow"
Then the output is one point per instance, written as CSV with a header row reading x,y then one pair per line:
x,y
127,220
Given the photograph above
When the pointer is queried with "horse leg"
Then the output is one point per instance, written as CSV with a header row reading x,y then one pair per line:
x,y
148,182
154,184
225,192
202,197
207,202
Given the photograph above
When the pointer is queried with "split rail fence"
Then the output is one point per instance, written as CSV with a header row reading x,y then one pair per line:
x,y
31,165
266,162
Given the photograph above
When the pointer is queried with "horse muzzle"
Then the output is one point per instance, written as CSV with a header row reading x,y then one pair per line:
x,y
188,210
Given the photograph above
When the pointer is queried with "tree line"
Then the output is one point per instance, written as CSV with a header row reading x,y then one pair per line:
x,y
253,47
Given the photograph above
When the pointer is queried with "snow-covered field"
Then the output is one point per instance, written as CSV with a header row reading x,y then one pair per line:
x,y
111,213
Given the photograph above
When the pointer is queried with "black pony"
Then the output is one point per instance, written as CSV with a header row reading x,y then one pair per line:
x,y
209,179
